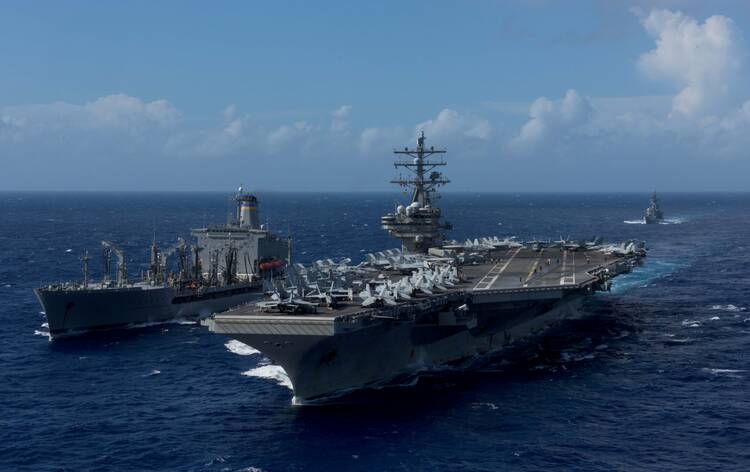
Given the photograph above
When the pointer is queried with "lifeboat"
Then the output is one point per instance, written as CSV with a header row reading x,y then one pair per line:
x,y
271,265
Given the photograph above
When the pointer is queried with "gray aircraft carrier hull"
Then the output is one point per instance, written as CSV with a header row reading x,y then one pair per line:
x,y
511,294
71,312
322,362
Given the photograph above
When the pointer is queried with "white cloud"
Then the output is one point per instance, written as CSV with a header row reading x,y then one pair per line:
x,y
451,123
549,119
380,139
340,123
342,111
703,60
112,113
285,134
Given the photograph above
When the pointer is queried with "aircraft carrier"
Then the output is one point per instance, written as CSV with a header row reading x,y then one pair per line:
x,y
336,327
226,266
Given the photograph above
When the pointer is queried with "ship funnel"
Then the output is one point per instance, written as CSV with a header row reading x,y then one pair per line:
x,y
247,209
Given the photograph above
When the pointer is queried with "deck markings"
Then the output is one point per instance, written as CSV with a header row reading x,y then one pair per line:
x,y
564,278
532,270
491,277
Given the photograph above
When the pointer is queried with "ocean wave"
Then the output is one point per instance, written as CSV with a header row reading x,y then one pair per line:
x,y
568,356
487,405
666,221
728,307
733,373
271,372
239,348
150,324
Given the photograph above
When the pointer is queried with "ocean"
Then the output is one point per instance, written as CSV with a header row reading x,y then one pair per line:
x,y
653,376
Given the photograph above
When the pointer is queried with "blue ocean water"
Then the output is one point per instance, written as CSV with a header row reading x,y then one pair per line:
x,y
654,377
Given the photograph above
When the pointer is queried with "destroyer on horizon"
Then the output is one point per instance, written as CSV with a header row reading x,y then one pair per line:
x,y
654,213
335,327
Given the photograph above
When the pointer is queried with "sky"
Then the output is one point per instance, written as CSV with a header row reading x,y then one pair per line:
x,y
526,96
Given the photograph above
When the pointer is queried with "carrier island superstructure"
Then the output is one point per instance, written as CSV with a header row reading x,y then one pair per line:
x,y
225,266
336,327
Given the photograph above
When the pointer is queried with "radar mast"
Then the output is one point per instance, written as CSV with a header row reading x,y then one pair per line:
x,y
418,225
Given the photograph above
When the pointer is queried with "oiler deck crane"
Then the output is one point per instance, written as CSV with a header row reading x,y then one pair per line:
x,y
108,248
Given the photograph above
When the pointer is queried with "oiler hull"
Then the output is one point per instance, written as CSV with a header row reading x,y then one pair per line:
x,y
71,312
324,359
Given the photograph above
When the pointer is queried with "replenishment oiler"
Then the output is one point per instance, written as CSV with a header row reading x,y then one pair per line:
x,y
226,266
336,327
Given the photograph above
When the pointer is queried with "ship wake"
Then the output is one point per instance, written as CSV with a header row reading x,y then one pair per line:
x,y
270,372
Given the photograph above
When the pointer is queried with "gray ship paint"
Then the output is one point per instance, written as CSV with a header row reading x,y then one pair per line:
x,y
506,291
225,268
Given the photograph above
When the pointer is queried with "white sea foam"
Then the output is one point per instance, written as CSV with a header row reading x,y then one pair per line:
x,y
691,323
68,250
666,221
575,356
729,307
713,318
152,373
488,405
150,324
734,373
643,275
239,348
41,333
272,372
251,469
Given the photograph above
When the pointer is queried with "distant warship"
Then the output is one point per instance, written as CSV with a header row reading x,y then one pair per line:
x,y
225,267
335,327
654,214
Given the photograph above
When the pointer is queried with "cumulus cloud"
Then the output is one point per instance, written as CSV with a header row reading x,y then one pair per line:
x,y
550,119
113,113
705,117
340,121
244,134
450,123
378,139
286,134
342,111
704,60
